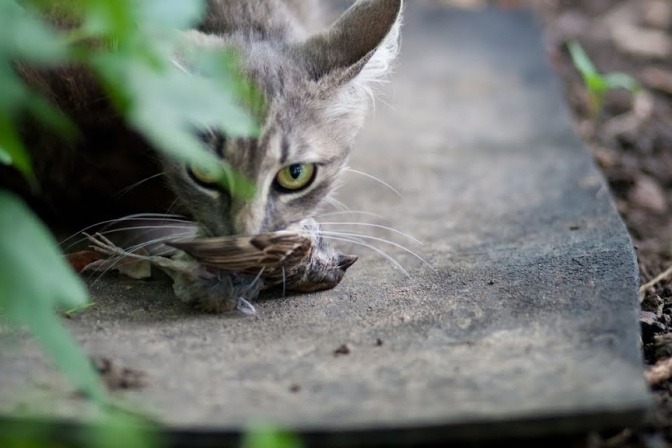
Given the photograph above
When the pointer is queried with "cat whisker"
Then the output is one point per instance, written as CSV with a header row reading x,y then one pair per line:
x,y
172,206
178,65
374,238
352,212
284,283
373,248
338,205
368,224
137,184
154,215
125,229
171,226
171,237
144,216
382,182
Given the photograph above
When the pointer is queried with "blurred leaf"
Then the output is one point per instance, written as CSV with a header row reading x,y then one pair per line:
x,y
580,59
174,98
34,281
223,67
49,116
168,105
596,83
622,80
264,436
122,430
24,36
12,92
111,19
178,14
13,149
18,434
5,157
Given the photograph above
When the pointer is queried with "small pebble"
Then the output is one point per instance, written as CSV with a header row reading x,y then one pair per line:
x,y
648,194
653,304
342,350
650,325
657,14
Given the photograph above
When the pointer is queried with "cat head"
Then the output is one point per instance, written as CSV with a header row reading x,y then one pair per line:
x,y
317,92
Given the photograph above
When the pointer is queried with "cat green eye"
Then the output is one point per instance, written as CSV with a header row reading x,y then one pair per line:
x,y
207,177
295,177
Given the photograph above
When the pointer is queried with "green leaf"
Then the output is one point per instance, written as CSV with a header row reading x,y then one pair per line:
x,y
596,83
184,146
169,105
265,436
32,268
57,343
12,147
170,14
5,156
174,98
580,59
110,19
34,281
49,116
23,35
223,67
622,80
122,430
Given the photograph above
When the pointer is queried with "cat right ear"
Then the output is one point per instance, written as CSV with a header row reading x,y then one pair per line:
x,y
360,44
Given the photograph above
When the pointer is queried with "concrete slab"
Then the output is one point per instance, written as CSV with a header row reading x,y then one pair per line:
x,y
525,325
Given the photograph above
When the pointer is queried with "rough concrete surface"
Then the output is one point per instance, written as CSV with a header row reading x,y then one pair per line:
x,y
526,321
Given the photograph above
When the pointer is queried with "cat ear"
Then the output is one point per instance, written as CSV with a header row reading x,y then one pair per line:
x,y
362,43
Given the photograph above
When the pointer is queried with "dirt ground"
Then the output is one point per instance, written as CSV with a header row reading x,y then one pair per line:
x,y
631,141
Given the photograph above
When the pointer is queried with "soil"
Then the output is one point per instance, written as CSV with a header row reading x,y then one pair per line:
x,y
631,140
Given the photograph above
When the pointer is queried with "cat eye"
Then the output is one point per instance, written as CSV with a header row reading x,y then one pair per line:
x,y
296,177
206,177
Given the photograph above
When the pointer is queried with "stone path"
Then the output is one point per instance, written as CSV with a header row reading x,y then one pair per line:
x,y
525,325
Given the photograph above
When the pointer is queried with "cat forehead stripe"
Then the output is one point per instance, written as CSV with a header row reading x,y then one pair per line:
x,y
284,150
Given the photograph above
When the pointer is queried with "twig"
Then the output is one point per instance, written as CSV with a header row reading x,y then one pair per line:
x,y
665,275
659,372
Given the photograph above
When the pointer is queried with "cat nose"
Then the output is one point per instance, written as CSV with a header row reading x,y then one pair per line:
x,y
345,261
248,219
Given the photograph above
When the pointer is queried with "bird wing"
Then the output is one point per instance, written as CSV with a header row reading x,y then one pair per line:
x,y
243,253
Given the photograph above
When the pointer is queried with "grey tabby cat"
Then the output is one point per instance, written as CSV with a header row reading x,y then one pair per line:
x,y
316,87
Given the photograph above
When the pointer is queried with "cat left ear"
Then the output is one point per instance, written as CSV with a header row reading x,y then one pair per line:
x,y
364,41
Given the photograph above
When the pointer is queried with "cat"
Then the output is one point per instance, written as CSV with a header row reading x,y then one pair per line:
x,y
317,89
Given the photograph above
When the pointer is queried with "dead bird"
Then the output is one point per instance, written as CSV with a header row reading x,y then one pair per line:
x,y
222,274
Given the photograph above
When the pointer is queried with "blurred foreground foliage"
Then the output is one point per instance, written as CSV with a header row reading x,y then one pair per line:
x,y
129,45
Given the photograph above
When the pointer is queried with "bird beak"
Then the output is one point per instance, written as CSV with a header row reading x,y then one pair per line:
x,y
345,261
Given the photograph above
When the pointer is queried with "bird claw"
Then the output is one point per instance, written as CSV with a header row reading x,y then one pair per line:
x,y
103,245
244,307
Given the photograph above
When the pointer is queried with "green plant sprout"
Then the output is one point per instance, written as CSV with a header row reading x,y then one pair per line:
x,y
598,84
